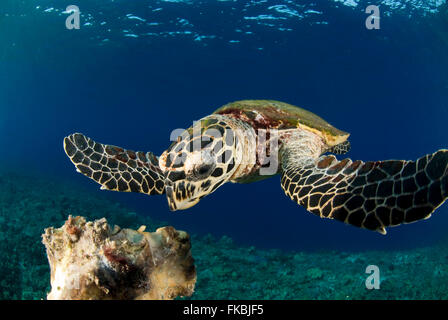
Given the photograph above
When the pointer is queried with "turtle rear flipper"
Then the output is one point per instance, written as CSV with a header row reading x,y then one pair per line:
x,y
371,195
115,168
341,148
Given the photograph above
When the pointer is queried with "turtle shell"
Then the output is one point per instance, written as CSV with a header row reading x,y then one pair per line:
x,y
271,114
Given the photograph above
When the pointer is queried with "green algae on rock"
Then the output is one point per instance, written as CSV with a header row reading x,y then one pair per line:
x,y
31,203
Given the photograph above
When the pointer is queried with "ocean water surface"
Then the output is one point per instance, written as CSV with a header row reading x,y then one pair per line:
x,y
136,70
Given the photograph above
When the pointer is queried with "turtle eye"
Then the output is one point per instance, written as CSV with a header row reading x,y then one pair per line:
x,y
203,170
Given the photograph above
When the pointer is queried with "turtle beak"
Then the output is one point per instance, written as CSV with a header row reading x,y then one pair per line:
x,y
176,195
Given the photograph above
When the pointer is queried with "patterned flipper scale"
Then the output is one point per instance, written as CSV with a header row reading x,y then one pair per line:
x,y
341,148
371,195
115,168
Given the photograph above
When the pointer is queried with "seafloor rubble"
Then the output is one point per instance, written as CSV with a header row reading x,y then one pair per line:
x,y
30,204
91,260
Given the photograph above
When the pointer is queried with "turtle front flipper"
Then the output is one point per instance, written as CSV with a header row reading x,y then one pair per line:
x,y
371,195
115,168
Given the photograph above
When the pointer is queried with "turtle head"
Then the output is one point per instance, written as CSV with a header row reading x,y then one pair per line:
x,y
198,162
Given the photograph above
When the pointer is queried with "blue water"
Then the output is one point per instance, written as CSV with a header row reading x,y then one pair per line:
x,y
155,66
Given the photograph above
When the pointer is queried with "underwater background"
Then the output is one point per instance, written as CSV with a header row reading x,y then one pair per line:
x,y
136,70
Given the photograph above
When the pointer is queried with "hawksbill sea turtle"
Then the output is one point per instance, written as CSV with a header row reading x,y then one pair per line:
x,y
225,145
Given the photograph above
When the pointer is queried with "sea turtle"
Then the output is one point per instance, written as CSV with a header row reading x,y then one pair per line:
x,y
236,144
